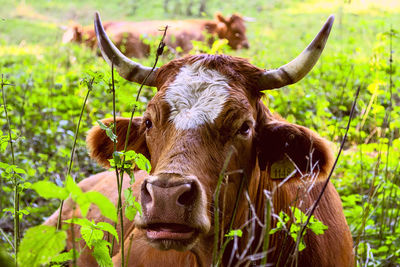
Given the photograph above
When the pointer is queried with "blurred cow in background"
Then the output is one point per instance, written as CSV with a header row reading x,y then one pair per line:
x,y
129,36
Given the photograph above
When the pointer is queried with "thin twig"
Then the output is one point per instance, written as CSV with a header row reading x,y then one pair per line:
x,y
90,87
334,164
216,205
121,173
15,178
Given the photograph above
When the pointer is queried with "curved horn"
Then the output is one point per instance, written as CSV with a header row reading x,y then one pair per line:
x,y
301,65
127,68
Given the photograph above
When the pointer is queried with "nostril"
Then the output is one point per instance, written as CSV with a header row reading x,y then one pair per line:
x,y
188,197
145,193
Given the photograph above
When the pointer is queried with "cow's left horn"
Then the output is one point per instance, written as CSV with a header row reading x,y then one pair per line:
x,y
301,65
127,68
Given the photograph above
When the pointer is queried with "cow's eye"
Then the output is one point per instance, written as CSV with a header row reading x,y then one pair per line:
x,y
148,123
244,129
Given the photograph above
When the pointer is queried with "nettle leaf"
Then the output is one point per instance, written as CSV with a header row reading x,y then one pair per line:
x,y
101,253
109,131
143,163
139,159
317,226
65,256
73,188
48,190
109,228
90,234
117,157
4,165
105,205
17,169
41,244
77,195
132,206
79,221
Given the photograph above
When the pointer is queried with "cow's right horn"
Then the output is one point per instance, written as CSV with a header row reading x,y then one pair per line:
x,y
127,68
295,70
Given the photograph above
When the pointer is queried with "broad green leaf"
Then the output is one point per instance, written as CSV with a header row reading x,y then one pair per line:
x,y
90,234
143,163
117,156
65,256
317,227
105,205
72,188
130,155
48,190
101,253
41,244
4,165
132,206
138,207
18,170
79,221
109,228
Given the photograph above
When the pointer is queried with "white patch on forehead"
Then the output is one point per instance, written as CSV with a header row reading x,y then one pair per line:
x,y
196,96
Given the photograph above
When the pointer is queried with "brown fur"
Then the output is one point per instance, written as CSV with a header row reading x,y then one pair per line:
x,y
127,36
201,154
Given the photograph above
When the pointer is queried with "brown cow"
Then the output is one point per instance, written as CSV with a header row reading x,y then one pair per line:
x,y
128,36
208,114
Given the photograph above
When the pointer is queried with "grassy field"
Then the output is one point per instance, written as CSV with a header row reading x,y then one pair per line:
x,y
47,92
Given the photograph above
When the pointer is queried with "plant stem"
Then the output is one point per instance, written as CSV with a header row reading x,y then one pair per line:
x,y
216,206
15,178
90,87
334,164
117,174
267,221
121,174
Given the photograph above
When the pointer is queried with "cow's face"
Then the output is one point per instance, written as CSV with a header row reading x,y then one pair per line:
x,y
207,112
195,119
234,30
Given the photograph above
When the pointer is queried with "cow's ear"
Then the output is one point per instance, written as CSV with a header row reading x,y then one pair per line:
x,y
101,147
221,18
284,147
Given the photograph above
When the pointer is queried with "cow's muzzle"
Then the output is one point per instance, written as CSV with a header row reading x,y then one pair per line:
x,y
174,211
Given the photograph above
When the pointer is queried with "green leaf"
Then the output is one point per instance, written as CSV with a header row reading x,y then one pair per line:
x,y
109,228
132,206
4,165
41,244
109,131
117,157
65,256
90,234
101,253
233,233
73,188
317,227
105,205
143,163
48,190
79,221
18,170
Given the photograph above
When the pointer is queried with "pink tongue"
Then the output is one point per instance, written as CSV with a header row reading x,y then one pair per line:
x,y
167,234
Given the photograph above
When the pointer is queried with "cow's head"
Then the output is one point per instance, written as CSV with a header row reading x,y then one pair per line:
x,y
73,33
233,29
207,107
